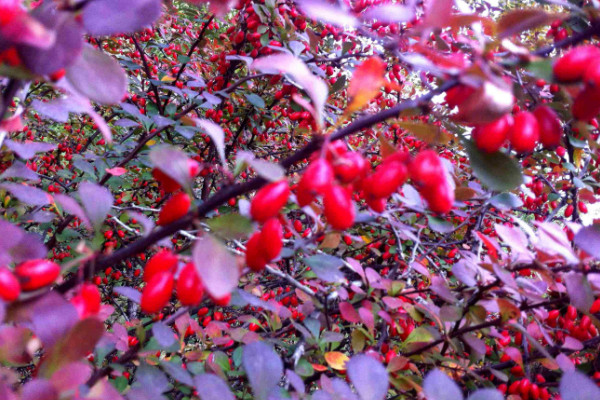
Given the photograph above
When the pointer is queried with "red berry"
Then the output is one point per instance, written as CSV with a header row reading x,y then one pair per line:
x,y
35,274
339,208
175,208
269,200
440,198
317,177
376,204
491,137
255,259
189,286
157,292
571,66
87,302
271,238
525,133
169,184
350,166
427,169
569,210
9,285
551,131
591,76
587,104
386,179
162,261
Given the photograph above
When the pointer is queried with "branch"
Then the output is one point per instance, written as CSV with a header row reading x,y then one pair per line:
x,y
222,196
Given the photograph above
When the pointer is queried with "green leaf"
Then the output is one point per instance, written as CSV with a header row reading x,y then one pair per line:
x,y
497,171
231,226
440,225
506,201
541,69
339,84
419,335
255,100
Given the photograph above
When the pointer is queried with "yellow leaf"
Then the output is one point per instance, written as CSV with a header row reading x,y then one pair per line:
x,y
336,360
577,153
151,142
366,239
426,132
331,241
462,193
519,20
367,80
167,78
386,148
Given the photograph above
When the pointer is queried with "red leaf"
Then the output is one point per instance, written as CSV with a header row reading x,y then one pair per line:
x,y
349,313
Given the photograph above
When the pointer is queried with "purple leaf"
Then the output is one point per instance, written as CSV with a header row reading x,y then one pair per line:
x,y
295,381
54,109
270,171
13,345
28,194
103,390
576,386
96,201
465,272
263,367
29,247
216,266
163,334
6,393
588,240
177,372
216,134
50,317
514,237
102,125
486,394
78,343
11,235
315,87
326,267
39,389
65,49
98,77
173,162
20,170
71,206
129,292
368,376
579,290
146,223
349,313
70,376
108,17
27,150
211,387
322,11
438,386
391,13
477,345
438,286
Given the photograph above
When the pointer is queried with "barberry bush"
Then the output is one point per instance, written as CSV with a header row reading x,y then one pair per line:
x,y
299,199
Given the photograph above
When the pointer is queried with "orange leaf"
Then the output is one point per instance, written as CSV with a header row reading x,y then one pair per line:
x,y
336,360
490,245
319,367
367,80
